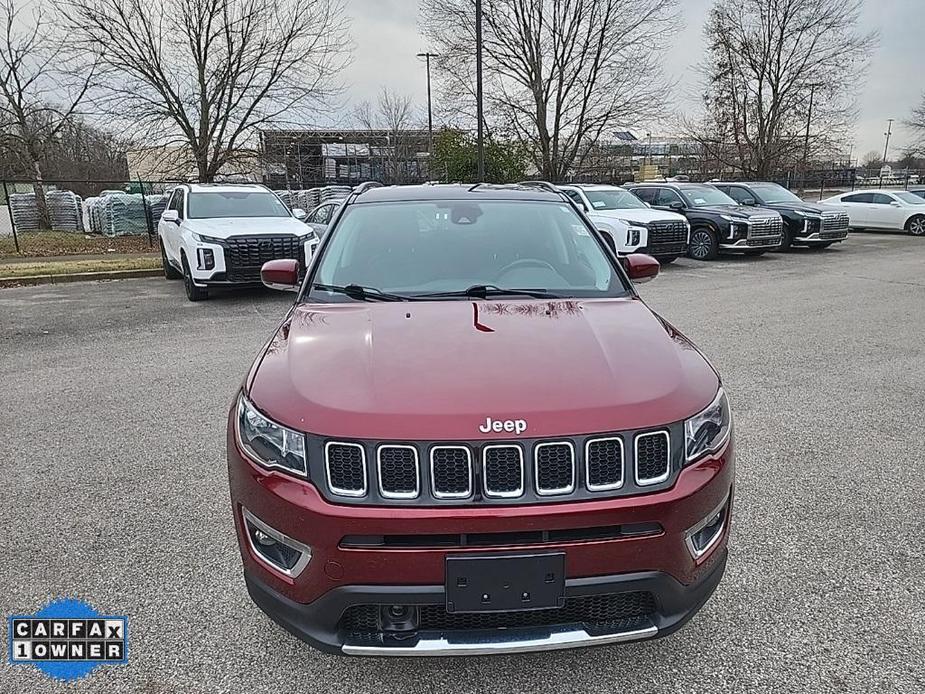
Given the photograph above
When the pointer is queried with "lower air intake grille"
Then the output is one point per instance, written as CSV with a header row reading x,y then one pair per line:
x,y
398,472
555,468
451,472
503,471
652,458
604,461
605,613
346,468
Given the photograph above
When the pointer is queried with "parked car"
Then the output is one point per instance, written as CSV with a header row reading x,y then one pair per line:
x,y
470,435
319,218
219,235
805,224
718,223
918,191
667,232
882,209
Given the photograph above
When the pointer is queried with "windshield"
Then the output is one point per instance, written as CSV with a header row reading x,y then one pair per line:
x,y
613,200
235,204
413,249
702,196
771,193
910,198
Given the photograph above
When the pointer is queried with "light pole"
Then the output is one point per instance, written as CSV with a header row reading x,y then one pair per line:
x,y
809,118
480,143
430,110
886,146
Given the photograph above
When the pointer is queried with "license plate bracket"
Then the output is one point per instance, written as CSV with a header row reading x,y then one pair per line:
x,y
505,583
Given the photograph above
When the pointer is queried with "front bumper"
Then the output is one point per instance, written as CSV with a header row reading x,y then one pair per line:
x,y
312,605
823,237
764,243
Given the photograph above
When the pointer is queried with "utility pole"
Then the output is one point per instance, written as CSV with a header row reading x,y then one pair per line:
x,y
809,117
480,138
886,146
430,109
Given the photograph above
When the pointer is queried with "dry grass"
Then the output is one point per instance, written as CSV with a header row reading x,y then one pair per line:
x,y
41,244
66,267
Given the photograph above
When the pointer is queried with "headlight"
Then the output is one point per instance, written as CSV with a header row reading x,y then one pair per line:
x,y
199,238
708,430
740,220
798,213
634,223
268,443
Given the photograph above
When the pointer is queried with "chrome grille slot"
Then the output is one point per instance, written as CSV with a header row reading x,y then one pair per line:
x,y
653,457
554,468
604,464
765,227
399,475
345,467
451,472
503,471
832,222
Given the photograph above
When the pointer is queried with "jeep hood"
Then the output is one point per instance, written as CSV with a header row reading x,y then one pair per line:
x,y
737,211
247,226
437,370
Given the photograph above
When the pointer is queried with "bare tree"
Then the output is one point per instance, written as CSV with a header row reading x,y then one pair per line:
x,y
559,74
205,75
393,113
872,160
768,63
40,91
916,124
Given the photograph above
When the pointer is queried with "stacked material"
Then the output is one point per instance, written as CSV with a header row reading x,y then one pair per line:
x,y
334,193
156,204
286,197
64,211
117,214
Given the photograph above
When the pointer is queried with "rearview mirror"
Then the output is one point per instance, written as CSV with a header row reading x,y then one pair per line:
x,y
640,267
281,274
298,213
170,216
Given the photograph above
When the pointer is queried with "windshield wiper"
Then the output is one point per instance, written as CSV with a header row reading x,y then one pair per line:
x,y
361,293
483,291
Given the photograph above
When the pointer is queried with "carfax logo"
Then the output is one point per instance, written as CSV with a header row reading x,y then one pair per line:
x,y
68,639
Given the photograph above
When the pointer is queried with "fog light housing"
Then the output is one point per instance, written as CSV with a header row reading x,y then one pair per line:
x,y
271,547
399,617
703,537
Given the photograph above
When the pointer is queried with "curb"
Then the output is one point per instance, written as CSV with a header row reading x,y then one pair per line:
x,y
30,280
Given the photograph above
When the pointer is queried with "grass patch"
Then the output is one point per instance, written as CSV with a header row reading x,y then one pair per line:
x,y
66,267
42,244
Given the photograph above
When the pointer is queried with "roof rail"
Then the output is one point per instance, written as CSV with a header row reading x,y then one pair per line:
x,y
541,184
366,185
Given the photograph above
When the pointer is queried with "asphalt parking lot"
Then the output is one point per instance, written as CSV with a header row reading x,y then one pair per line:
x,y
114,487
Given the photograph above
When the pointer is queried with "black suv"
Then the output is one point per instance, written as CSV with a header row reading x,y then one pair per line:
x,y
805,224
718,223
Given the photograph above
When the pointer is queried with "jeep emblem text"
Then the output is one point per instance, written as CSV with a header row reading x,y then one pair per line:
x,y
518,426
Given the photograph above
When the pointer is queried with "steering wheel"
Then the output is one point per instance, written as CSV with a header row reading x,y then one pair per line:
x,y
525,262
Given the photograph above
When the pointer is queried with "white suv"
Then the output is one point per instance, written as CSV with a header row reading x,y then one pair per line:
x,y
668,233
215,235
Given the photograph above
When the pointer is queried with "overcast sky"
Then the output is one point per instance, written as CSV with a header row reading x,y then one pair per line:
x,y
386,38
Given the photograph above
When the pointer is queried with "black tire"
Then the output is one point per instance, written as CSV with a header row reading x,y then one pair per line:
x,y
916,225
786,240
820,246
193,293
666,259
170,272
703,244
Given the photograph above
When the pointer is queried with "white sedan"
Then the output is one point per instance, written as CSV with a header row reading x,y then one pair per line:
x,y
882,209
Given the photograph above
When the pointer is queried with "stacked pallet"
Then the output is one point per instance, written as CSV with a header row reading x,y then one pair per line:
x,y
118,214
64,211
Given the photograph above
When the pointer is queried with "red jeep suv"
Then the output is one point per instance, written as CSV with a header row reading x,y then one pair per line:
x,y
470,435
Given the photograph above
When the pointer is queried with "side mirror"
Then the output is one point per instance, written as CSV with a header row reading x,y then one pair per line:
x,y
647,204
640,267
676,205
282,274
749,201
298,213
608,239
896,203
170,216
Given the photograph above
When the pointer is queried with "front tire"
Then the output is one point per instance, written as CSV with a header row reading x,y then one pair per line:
x,y
703,244
170,272
786,241
193,293
916,225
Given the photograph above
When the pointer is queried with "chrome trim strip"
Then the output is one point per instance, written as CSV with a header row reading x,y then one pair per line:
x,y
503,641
417,473
433,479
327,470
536,469
502,495
605,487
645,482
306,556
695,553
